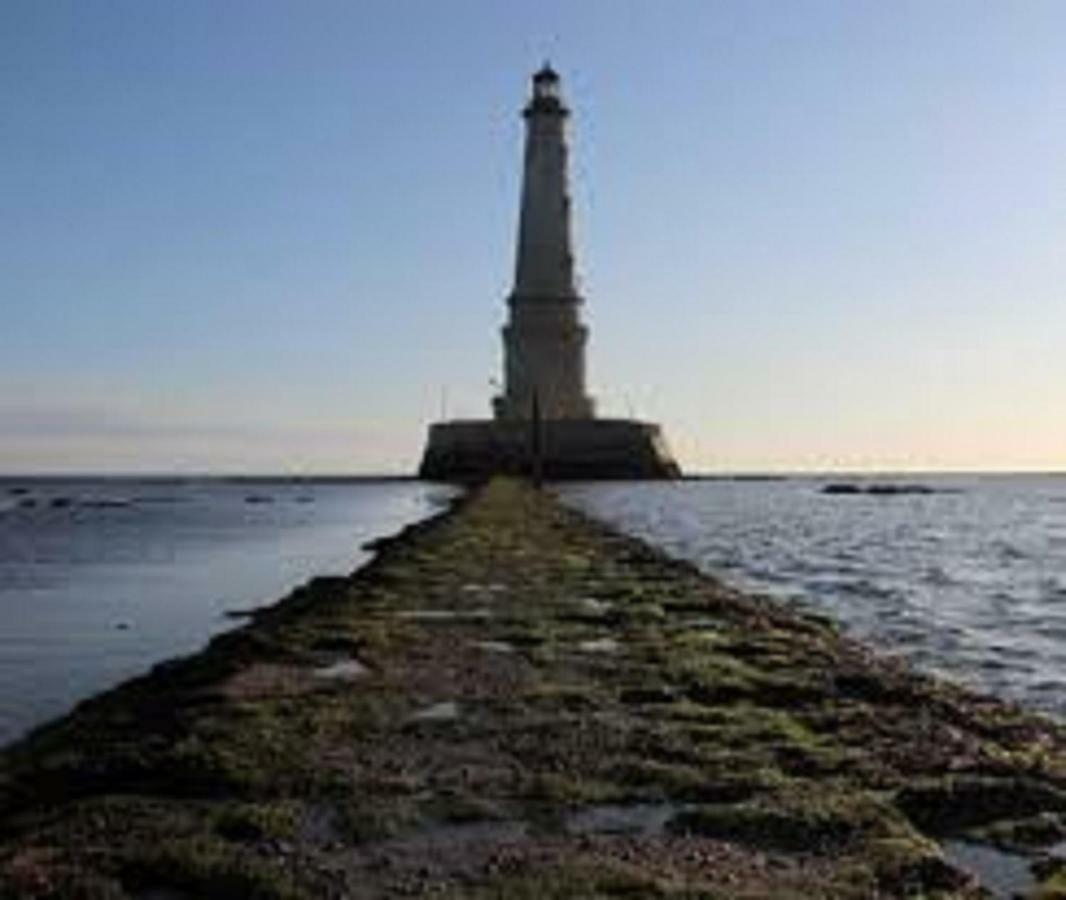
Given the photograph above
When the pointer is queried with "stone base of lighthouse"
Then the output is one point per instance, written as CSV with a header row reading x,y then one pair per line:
x,y
570,449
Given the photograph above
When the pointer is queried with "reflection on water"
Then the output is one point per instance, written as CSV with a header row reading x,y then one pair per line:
x,y
969,580
1002,874
99,579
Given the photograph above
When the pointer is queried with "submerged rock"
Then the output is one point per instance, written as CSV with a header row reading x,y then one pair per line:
x,y
888,489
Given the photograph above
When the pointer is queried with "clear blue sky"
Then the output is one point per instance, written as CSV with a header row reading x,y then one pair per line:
x,y
278,235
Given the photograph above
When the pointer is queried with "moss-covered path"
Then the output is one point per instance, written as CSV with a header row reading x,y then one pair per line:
x,y
511,701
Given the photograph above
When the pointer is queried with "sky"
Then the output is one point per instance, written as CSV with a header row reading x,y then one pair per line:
x,y
263,236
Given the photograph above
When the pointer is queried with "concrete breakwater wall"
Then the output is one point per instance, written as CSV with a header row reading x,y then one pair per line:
x,y
513,701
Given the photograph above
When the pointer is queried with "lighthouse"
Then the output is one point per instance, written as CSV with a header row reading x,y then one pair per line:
x,y
544,421
544,340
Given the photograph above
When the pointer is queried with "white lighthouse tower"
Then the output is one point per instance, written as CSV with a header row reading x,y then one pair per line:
x,y
544,421
544,341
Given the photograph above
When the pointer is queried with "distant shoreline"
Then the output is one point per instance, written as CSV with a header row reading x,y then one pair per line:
x,y
10,478
134,478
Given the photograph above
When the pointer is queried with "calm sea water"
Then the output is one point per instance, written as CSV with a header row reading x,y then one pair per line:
x,y
100,579
968,582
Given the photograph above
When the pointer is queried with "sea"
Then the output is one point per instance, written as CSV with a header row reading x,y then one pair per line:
x,y
962,575
102,578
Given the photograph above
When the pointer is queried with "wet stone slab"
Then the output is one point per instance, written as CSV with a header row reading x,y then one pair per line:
x,y
438,712
341,670
599,645
495,646
616,818
444,615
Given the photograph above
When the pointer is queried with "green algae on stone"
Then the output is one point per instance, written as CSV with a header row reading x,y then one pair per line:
x,y
207,867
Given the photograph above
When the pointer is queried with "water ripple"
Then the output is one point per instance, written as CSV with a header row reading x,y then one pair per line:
x,y
968,581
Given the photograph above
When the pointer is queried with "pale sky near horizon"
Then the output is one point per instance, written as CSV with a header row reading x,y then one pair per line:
x,y
250,235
